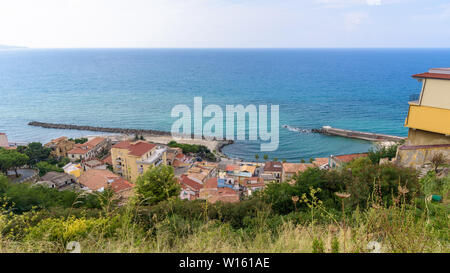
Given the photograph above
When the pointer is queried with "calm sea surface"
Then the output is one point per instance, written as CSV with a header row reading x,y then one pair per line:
x,y
359,89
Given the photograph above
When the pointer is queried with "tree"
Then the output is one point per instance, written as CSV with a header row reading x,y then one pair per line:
x,y
156,184
302,161
275,159
36,153
11,159
257,157
283,160
266,157
438,160
45,167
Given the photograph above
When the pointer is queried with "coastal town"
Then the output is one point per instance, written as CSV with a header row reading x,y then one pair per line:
x,y
97,163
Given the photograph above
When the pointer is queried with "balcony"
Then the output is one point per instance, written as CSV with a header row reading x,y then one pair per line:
x,y
155,157
429,119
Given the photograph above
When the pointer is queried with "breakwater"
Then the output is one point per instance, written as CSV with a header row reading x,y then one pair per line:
x,y
126,131
327,130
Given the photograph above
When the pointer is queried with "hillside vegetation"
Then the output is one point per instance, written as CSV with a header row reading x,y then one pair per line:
x,y
362,207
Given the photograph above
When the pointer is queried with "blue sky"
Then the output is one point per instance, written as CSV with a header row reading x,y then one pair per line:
x,y
225,23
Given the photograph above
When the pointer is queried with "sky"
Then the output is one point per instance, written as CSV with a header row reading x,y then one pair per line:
x,y
224,23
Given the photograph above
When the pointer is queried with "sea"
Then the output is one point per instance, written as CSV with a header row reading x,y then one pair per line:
x,y
356,89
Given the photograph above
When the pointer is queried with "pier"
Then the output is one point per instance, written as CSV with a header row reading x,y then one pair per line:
x,y
328,130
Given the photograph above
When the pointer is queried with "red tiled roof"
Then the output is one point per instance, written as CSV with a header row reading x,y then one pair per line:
x,y
95,141
137,149
184,180
119,184
349,157
108,160
211,183
3,134
432,76
232,168
273,166
296,167
96,179
78,150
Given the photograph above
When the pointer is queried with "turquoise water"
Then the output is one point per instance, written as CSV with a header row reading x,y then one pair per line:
x,y
359,89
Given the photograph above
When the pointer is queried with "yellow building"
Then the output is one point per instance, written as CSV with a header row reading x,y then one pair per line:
x,y
132,159
428,119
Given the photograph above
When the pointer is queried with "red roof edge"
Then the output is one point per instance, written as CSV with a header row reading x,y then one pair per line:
x,y
428,75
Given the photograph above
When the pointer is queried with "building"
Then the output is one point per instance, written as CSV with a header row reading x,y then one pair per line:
x,y
190,189
428,120
100,180
272,171
89,150
322,163
336,161
290,169
60,181
73,169
60,146
94,164
132,159
253,184
213,192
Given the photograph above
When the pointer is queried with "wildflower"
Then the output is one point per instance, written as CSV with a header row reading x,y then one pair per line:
x,y
342,195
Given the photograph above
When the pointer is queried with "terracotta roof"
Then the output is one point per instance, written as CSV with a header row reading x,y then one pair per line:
x,y
273,166
95,141
56,140
432,76
108,160
211,183
3,134
119,184
96,179
296,167
232,168
137,148
349,157
320,161
184,180
78,150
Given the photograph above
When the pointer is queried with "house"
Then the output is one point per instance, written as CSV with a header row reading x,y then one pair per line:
x,y
73,169
60,146
132,159
59,180
99,180
336,161
212,192
201,171
253,184
272,171
428,120
190,189
89,150
290,169
321,163
94,164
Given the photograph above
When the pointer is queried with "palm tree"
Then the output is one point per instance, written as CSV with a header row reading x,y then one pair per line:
x,y
275,159
256,157
266,157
